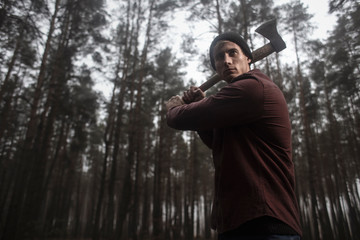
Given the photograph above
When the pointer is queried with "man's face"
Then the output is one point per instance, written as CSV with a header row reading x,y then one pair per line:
x,y
230,61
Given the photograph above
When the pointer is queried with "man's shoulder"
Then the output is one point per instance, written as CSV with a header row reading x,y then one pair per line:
x,y
246,84
252,74
256,73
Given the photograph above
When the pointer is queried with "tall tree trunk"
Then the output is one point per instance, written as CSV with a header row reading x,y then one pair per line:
x,y
168,200
15,223
158,187
245,19
7,109
117,129
135,134
145,221
100,197
219,18
6,84
335,156
42,142
136,137
324,217
309,151
279,79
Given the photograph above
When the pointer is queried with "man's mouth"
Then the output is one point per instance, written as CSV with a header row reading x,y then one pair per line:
x,y
229,71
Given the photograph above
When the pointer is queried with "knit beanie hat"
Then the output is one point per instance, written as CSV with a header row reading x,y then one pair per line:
x,y
232,37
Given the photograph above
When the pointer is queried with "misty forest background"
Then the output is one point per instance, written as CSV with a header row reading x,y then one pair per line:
x,y
77,162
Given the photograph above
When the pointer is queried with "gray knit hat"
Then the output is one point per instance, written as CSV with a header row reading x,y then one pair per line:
x,y
232,37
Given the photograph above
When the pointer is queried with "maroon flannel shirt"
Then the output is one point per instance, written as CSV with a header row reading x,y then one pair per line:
x,y
246,124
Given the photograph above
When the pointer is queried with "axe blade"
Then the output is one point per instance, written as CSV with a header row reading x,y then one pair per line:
x,y
269,31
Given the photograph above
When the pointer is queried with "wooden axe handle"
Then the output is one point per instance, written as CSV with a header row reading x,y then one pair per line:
x,y
210,82
258,54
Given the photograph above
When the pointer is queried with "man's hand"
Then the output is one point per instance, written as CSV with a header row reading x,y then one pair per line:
x,y
194,94
174,101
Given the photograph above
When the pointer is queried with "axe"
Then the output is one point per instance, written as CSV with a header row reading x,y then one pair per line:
x,y
276,44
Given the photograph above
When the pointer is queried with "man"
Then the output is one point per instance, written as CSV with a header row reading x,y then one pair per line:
x,y
246,124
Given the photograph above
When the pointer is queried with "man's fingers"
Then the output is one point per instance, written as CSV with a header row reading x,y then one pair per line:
x,y
194,94
187,97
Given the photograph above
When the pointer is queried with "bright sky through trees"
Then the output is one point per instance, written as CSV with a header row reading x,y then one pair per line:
x,y
322,21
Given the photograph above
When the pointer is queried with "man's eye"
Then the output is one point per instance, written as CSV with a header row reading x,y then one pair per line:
x,y
232,52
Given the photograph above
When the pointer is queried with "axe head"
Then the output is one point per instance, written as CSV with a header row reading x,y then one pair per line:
x,y
269,30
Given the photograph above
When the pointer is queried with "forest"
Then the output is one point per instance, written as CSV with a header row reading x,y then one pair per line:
x,y
85,151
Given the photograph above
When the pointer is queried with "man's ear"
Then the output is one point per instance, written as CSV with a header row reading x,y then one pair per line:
x,y
248,60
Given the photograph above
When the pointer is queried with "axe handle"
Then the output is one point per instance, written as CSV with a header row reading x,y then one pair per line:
x,y
258,54
210,82
262,52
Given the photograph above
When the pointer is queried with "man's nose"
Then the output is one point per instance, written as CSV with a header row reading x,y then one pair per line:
x,y
227,59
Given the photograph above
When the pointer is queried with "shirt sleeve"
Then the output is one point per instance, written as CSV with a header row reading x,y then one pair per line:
x,y
237,103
